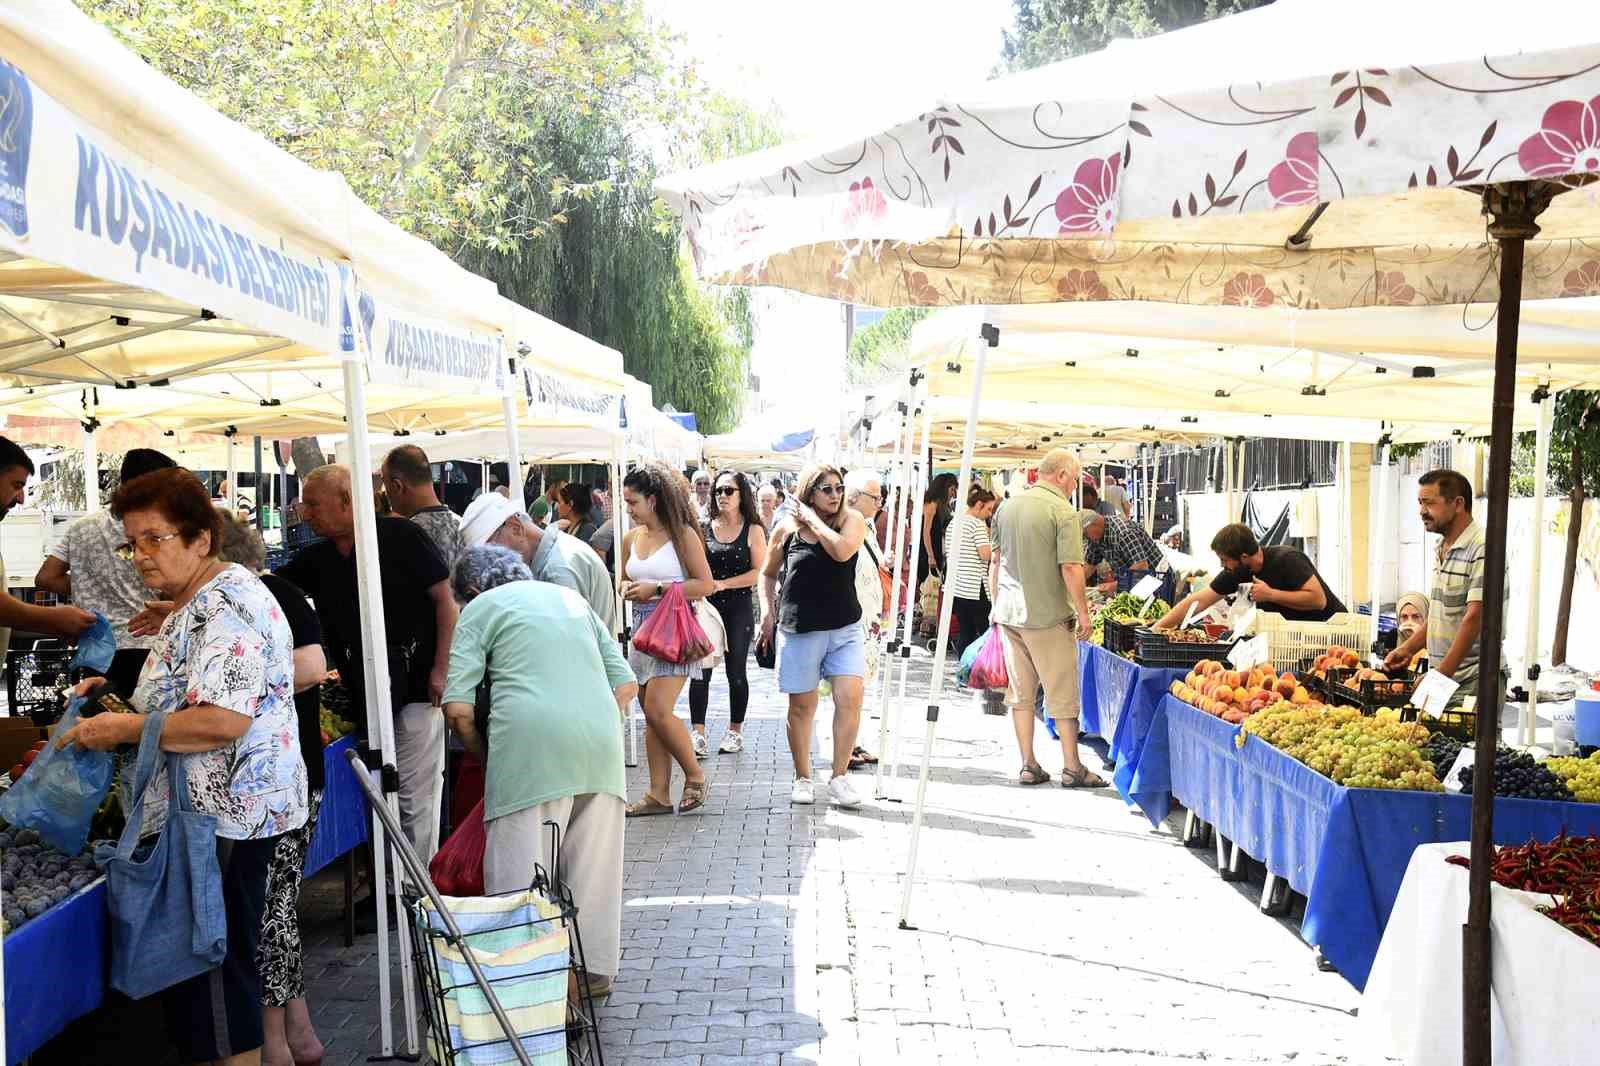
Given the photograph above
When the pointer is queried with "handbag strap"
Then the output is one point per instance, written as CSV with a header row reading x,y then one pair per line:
x,y
144,770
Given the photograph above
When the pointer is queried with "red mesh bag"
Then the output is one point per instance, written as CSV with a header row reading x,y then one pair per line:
x,y
457,867
671,633
989,668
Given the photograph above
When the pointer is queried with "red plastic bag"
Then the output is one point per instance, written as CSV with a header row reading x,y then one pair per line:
x,y
671,633
457,867
989,668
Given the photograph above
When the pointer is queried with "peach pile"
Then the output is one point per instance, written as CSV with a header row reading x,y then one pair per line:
x,y
1234,695
1337,657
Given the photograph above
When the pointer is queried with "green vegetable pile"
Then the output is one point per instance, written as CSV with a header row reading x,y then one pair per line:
x,y
1125,607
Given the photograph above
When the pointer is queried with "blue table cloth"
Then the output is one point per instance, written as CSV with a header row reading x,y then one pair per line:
x,y
56,965
344,822
1140,744
1344,849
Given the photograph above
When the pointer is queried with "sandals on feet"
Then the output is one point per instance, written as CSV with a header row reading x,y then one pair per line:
x,y
693,798
1084,778
647,806
1032,775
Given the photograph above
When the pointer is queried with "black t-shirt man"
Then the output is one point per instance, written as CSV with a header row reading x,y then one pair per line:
x,y
304,629
410,566
1286,568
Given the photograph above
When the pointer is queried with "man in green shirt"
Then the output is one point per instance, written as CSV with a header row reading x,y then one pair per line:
x,y
559,685
1036,584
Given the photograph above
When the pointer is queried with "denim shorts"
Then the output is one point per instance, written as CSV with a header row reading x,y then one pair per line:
x,y
804,659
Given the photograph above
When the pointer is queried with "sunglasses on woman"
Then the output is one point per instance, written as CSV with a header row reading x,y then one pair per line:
x,y
830,490
728,490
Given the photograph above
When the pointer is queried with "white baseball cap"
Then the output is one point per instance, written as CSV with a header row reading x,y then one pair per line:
x,y
484,516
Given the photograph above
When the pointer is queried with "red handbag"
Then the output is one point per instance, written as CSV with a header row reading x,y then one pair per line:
x,y
671,633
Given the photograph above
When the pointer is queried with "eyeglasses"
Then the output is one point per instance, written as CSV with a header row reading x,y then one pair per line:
x,y
873,496
728,490
147,542
830,490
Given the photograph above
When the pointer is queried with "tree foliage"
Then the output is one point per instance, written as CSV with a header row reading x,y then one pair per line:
x,y
883,346
1051,30
514,134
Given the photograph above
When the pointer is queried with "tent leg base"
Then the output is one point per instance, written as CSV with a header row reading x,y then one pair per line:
x,y
907,926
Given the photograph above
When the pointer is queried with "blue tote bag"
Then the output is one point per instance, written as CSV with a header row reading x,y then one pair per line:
x,y
167,917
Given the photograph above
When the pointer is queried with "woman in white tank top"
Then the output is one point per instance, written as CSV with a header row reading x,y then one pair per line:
x,y
663,548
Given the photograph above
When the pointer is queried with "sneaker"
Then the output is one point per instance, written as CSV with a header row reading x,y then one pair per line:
x,y
803,791
732,743
702,746
843,793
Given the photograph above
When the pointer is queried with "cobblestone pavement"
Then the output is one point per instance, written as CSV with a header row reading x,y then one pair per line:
x,y
1051,926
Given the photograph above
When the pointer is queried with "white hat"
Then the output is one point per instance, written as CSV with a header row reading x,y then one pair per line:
x,y
484,516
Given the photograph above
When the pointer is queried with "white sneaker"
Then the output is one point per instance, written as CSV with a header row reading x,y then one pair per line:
x,y
732,743
803,791
843,793
702,746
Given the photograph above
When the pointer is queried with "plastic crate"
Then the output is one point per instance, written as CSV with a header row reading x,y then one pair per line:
x,y
37,681
1368,695
1296,645
1153,649
1120,637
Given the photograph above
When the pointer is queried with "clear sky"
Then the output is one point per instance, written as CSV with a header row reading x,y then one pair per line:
x,y
832,61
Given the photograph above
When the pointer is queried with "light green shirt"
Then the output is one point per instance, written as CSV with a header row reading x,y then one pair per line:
x,y
1035,533
563,559
554,729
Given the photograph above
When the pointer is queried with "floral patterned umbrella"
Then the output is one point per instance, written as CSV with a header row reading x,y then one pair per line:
x,y
1182,168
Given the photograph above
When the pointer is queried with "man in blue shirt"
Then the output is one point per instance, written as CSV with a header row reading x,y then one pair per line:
x,y
552,555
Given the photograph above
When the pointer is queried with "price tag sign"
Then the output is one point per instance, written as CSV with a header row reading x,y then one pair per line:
x,y
1250,653
1147,586
1188,617
1452,777
1433,692
1244,622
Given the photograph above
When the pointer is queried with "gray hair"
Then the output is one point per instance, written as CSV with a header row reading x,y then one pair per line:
x,y
857,480
241,543
699,474
486,567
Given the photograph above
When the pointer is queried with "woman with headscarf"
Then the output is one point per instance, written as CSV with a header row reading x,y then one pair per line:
x,y
1411,616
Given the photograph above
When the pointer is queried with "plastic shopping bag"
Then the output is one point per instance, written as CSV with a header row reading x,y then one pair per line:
x,y
989,668
457,867
671,633
60,792
968,657
96,647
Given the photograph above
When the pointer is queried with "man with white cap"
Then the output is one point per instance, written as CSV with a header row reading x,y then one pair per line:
x,y
552,555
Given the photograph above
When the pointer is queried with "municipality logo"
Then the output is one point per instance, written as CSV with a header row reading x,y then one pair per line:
x,y
16,139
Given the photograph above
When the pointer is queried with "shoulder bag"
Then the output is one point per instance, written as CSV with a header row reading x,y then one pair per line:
x,y
167,918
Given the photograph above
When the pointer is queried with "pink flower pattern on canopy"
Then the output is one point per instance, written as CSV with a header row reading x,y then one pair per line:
x,y
1568,141
1247,290
1082,285
1294,181
866,202
1392,290
1585,281
1089,204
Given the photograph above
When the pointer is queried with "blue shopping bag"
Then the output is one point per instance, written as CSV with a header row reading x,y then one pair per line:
x,y
165,898
96,647
970,656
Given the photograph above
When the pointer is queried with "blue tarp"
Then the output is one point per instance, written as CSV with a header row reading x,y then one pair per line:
x,y
56,965
1345,849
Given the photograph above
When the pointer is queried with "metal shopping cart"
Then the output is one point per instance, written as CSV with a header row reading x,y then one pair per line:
x,y
503,976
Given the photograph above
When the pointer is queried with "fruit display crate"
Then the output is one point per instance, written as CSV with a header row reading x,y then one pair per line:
x,y
1452,722
1120,637
1296,645
36,681
1153,649
1368,694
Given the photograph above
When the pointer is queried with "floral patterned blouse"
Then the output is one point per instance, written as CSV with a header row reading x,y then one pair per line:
x,y
230,646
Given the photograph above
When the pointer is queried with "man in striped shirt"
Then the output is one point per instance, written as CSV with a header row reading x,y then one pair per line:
x,y
1455,603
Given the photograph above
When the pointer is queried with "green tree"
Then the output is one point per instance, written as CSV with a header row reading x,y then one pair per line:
x,y
883,346
1051,30
511,133
1574,470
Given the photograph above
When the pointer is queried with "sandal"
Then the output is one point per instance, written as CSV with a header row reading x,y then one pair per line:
x,y
866,757
1033,775
1084,778
693,798
647,806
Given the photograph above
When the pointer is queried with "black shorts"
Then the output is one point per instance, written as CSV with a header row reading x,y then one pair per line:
x,y
218,1013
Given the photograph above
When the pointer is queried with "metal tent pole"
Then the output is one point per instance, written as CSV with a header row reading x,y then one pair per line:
x,y
231,497
899,475
1378,535
991,338
1347,504
921,476
1512,209
508,406
1530,647
256,509
619,530
375,671
91,466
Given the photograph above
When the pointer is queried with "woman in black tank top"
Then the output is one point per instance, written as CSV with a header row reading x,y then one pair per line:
x,y
736,547
816,623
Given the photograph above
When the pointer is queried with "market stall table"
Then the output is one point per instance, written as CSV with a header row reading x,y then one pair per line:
x,y
55,966
1344,849
1544,975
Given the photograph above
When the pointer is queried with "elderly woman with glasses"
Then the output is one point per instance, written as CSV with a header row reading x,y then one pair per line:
x,y
817,623
553,750
222,669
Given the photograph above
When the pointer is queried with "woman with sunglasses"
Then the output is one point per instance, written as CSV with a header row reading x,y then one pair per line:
x,y
817,623
736,545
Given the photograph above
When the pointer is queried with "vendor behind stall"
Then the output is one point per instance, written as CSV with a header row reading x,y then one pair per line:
x,y
1281,579
1131,552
